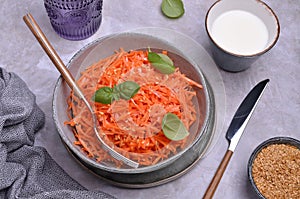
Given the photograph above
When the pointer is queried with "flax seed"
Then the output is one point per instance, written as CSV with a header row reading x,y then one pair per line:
x,y
276,171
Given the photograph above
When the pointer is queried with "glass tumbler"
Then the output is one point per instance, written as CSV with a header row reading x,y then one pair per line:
x,y
74,19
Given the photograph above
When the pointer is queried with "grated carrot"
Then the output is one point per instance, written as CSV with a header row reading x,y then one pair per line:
x,y
132,127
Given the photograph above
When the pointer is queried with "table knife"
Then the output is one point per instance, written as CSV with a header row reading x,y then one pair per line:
x,y
235,131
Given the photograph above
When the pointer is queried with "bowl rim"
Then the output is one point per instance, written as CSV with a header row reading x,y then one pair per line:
x,y
257,150
161,164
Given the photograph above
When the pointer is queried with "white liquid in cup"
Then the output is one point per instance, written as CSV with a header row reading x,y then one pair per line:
x,y
240,32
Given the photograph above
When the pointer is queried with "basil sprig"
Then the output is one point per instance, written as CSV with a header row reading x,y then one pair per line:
x,y
173,127
107,95
161,62
172,8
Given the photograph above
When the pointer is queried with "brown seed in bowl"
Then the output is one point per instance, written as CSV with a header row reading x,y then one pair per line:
x,y
276,171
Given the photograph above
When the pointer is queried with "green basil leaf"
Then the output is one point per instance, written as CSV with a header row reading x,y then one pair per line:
x,y
125,90
166,59
161,62
173,127
103,95
154,57
164,68
172,8
107,95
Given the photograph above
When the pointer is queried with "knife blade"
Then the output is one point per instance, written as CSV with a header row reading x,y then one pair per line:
x,y
235,131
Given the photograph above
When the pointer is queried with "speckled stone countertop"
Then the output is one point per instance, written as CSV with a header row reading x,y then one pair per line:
x,y
277,114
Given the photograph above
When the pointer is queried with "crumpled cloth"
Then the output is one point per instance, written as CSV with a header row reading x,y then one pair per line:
x,y
28,171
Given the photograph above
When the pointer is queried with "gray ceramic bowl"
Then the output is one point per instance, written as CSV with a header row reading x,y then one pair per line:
x,y
203,128
271,141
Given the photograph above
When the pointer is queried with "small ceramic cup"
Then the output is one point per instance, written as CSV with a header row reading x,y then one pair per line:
x,y
240,31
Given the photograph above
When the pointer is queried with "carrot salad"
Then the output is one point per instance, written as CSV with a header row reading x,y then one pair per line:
x,y
132,127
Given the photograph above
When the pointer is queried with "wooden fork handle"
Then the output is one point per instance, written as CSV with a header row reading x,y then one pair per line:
x,y
218,175
48,48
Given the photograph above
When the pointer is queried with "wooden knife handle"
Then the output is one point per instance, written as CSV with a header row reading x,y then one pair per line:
x,y
218,175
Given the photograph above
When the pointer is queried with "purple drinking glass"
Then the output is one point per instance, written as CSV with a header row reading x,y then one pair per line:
x,y
74,19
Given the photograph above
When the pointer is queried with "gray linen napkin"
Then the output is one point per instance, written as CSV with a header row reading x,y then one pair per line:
x,y
27,171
